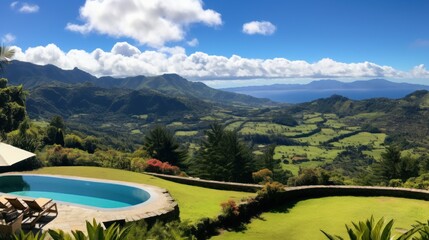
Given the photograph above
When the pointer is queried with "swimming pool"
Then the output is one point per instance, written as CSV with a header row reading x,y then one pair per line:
x,y
75,191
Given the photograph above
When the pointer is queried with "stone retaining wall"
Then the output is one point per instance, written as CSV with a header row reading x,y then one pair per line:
x,y
305,192
242,187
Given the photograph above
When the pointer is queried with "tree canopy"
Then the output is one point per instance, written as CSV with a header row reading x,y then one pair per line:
x,y
161,144
223,156
12,106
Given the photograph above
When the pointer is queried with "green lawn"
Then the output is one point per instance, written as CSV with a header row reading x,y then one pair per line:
x,y
305,219
194,202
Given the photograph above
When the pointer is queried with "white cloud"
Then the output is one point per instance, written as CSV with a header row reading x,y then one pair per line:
x,y
8,38
28,8
13,4
193,43
125,59
125,49
151,22
256,27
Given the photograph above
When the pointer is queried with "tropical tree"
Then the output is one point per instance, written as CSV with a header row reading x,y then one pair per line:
x,y
6,53
161,144
393,166
12,106
223,156
25,137
55,131
274,165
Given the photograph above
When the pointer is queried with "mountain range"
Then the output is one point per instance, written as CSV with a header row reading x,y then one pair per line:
x,y
171,85
357,90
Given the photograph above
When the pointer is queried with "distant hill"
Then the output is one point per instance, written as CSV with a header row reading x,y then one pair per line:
x,y
32,76
68,100
358,90
400,118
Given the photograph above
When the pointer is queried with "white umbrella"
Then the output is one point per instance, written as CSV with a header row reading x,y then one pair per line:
x,y
10,155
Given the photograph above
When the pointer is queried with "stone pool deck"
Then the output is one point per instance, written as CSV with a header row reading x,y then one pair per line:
x,y
74,217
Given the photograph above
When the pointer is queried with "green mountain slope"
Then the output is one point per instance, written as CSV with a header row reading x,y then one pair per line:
x,y
67,100
175,85
402,119
31,76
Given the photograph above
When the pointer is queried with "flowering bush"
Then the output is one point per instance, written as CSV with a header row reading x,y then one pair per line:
x,y
230,208
156,166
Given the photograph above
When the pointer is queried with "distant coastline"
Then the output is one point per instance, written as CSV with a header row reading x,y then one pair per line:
x,y
359,90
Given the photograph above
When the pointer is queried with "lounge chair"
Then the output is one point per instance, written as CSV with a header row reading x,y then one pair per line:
x,y
4,204
8,228
39,208
17,204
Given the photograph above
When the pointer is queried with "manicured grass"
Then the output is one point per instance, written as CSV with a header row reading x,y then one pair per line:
x,y
194,202
305,219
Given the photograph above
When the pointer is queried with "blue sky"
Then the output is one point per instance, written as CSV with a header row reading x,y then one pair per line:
x,y
225,42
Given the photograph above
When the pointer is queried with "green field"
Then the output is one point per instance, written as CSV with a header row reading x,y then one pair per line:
x,y
324,135
316,155
186,133
194,202
314,120
266,128
305,219
234,125
376,140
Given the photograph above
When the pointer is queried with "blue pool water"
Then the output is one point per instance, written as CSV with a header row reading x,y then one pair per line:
x,y
95,194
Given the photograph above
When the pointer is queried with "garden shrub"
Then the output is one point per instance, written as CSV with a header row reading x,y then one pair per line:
x,y
270,195
263,176
156,166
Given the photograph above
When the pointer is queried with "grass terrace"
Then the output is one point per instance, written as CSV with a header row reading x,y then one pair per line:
x,y
305,219
194,202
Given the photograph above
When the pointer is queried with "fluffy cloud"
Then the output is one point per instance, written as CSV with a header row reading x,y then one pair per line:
x,y
24,7
125,49
193,43
125,59
8,38
256,27
151,22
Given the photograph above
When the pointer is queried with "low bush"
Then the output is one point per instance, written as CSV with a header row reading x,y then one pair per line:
x,y
263,176
156,166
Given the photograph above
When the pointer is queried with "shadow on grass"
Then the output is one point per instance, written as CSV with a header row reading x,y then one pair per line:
x,y
284,208
239,228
